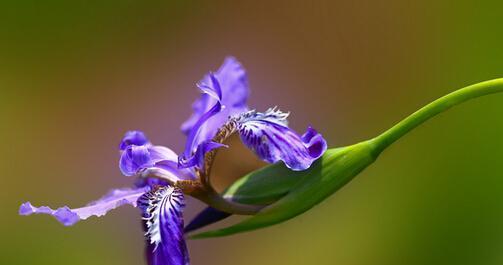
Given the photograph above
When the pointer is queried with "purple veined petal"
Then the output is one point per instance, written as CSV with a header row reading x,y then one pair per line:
x,y
268,136
133,138
68,217
314,142
233,83
162,210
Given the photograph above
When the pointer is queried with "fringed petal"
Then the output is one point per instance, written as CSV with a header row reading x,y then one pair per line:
x,y
268,135
162,210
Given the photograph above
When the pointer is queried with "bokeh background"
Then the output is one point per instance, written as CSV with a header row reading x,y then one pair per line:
x,y
75,75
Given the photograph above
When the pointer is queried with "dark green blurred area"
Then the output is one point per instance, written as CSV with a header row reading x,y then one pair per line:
x,y
74,76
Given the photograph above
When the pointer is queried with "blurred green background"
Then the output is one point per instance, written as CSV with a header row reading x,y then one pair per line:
x,y
75,75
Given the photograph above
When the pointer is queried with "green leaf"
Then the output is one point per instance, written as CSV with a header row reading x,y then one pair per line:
x,y
327,175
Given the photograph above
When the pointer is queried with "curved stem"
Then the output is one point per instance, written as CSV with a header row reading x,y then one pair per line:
x,y
384,140
207,193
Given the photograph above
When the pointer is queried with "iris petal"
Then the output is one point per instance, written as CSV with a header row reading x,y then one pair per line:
x,y
224,94
67,216
268,135
162,212
314,142
199,132
152,160
211,87
133,138
133,158
197,159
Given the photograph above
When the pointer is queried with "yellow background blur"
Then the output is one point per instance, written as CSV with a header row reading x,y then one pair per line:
x,y
75,75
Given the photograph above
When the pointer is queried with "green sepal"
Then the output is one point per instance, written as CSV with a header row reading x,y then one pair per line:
x,y
263,186
331,172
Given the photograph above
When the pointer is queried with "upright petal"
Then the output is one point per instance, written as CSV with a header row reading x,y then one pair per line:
x,y
224,94
200,131
268,135
197,158
162,210
67,216
234,83
211,87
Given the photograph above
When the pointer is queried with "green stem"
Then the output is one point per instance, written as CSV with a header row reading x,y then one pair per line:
x,y
215,200
442,104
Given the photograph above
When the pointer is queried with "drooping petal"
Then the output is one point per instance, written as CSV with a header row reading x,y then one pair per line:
x,y
162,210
133,138
268,135
67,216
224,94
315,143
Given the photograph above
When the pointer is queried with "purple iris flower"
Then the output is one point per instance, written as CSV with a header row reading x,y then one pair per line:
x,y
164,177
